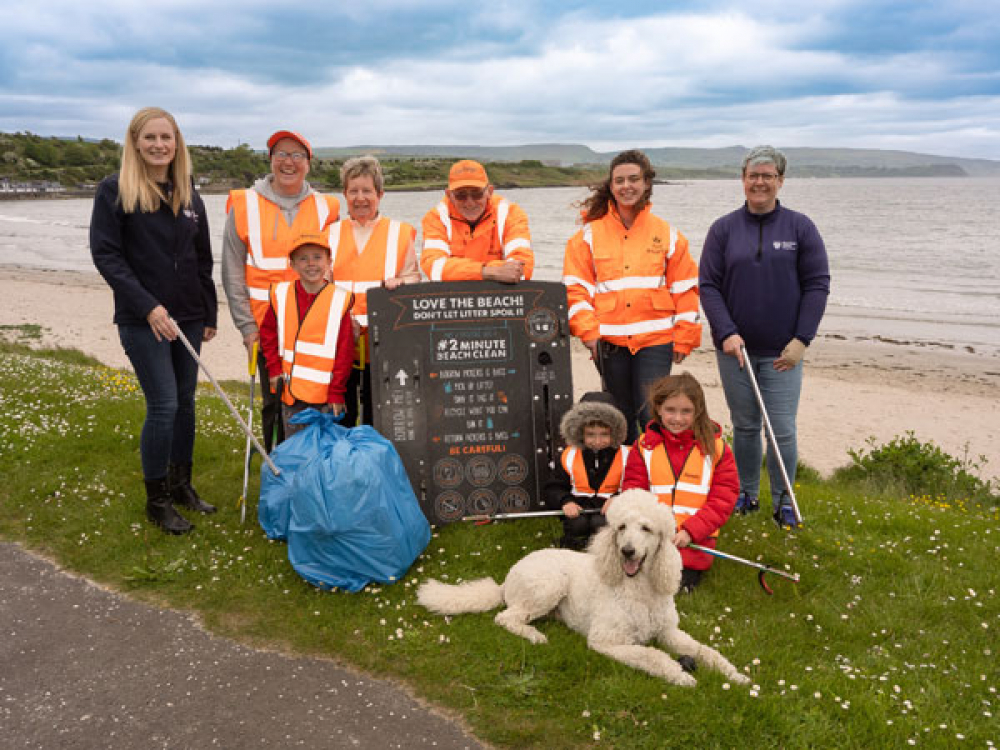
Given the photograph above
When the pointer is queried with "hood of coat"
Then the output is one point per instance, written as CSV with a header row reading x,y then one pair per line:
x,y
587,411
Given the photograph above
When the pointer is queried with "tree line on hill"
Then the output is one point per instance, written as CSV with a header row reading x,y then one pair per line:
x,y
80,164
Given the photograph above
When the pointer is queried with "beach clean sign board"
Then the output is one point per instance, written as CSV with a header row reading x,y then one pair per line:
x,y
470,380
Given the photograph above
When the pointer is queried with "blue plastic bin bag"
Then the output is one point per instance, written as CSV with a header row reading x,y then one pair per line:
x,y
354,518
290,456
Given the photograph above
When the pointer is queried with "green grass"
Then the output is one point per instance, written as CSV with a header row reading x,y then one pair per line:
x,y
889,639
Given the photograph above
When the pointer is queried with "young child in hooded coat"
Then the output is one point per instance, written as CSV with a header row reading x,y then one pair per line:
x,y
591,467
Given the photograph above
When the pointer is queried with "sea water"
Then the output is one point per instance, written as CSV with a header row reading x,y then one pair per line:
x,y
913,259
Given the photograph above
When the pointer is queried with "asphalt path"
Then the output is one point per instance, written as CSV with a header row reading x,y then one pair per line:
x,y
83,667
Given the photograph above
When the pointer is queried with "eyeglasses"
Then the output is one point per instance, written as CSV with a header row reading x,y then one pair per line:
x,y
461,196
295,156
767,177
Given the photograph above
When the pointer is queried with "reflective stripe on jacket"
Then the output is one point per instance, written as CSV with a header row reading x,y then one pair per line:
x,y
382,258
264,232
634,287
686,493
308,348
452,251
572,462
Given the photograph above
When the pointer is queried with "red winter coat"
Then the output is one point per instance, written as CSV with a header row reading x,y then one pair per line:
x,y
721,497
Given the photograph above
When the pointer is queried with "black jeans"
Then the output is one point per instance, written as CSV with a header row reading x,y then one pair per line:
x,y
628,378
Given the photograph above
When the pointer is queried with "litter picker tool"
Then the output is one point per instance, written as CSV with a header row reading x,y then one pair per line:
x,y
222,394
485,518
770,433
764,569
248,453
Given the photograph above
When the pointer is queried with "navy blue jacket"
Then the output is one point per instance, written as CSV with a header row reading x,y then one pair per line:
x,y
152,259
765,277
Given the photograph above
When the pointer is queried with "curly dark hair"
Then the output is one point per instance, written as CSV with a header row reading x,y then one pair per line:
x,y
596,204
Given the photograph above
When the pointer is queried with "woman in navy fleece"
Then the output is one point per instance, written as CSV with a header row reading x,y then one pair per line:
x,y
764,280
149,239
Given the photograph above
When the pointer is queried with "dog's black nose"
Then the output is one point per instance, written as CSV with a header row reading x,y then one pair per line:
x,y
628,552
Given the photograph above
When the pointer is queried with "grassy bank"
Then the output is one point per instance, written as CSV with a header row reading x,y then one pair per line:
x,y
888,641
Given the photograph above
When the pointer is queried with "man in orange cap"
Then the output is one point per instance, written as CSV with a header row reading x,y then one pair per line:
x,y
261,224
473,234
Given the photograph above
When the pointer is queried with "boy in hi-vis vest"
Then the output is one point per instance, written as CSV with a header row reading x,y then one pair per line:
x,y
306,335
683,460
590,468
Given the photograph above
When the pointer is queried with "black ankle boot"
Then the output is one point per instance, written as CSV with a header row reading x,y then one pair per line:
x,y
160,511
182,491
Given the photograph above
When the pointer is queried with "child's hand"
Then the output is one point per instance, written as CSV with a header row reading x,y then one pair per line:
x,y
273,382
572,510
682,539
337,409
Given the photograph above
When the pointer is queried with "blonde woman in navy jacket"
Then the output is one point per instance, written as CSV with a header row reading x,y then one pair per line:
x,y
149,239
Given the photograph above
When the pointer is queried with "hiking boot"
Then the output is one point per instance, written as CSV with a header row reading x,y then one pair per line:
x,y
784,514
160,511
183,493
747,504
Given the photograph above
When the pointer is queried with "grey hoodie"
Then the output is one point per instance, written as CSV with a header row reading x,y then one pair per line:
x,y
234,253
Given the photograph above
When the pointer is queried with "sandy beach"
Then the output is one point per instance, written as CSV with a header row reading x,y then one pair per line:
x,y
853,389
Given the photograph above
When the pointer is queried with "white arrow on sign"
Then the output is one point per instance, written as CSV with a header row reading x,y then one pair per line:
x,y
401,377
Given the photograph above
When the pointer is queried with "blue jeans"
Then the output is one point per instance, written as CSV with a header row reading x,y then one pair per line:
x,y
780,391
628,377
168,375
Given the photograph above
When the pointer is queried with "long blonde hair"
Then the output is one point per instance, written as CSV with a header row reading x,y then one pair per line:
x,y
685,384
137,191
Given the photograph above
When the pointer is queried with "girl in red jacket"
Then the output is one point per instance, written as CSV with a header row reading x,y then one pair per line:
x,y
682,459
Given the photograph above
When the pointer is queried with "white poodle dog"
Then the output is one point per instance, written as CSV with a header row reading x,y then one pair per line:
x,y
619,594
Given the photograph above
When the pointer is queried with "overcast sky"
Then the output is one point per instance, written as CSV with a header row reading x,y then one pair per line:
x,y
917,76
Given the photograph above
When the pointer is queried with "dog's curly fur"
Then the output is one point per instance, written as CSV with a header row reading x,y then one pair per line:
x,y
619,594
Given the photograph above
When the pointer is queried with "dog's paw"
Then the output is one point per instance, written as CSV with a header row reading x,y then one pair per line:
x,y
538,638
739,679
683,679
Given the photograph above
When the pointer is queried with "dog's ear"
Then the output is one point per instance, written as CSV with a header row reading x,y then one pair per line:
x,y
605,552
665,574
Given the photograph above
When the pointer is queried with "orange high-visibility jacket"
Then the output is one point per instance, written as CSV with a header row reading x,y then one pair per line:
x,y
633,287
572,462
382,258
454,252
686,493
264,232
308,350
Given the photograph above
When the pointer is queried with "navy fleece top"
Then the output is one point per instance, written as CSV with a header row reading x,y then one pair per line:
x,y
765,277
151,259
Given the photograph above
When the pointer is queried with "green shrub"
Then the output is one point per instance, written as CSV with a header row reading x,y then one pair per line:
x,y
918,469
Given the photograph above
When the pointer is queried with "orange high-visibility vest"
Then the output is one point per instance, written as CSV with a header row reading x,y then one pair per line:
x,y
572,462
452,251
308,347
264,232
382,258
633,287
688,492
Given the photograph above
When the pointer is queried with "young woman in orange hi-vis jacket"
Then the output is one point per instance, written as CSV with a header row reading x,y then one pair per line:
x,y
632,287
369,251
473,234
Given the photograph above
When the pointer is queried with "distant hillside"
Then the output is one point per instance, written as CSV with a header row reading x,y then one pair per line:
x,y
32,164
679,162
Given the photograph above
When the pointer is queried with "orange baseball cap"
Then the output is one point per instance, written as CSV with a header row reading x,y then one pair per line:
x,y
467,173
309,238
289,134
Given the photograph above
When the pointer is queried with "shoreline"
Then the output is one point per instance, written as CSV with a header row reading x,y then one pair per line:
x,y
854,387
